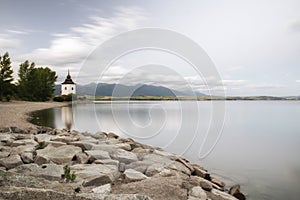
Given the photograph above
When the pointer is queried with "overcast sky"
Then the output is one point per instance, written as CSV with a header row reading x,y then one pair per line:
x,y
255,45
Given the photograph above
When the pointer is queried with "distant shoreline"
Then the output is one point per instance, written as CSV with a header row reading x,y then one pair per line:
x,y
200,98
16,113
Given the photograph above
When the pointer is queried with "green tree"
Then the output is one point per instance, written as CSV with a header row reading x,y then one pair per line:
x,y
6,76
35,84
25,83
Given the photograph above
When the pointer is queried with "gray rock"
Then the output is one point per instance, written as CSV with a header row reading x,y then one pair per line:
x,y
24,142
47,171
6,138
82,158
124,156
97,155
59,155
24,148
95,175
217,194
110,148
218,182
12,161
167,188
112,135
65,139
124,146
127,197
14,129
198,192
133,175
99,135
178,166
235,191
84,145
140,166
27,157
206,185
122,167
199,171
4,154
154,169
103,189
43,138
56,143
107,162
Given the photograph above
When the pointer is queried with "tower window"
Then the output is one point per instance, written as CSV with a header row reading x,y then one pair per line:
x,y
72,88
65,88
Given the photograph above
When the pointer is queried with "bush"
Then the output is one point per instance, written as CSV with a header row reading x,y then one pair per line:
x,y
58,99
67,174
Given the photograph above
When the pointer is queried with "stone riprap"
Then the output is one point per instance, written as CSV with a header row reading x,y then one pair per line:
x,y
33,163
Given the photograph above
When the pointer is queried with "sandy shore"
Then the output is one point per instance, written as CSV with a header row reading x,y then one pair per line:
x,y
15,113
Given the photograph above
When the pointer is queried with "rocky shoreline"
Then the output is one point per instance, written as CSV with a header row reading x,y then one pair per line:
x,y
47,163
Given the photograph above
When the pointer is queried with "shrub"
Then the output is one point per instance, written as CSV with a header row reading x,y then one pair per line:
x,y
58,99
67,174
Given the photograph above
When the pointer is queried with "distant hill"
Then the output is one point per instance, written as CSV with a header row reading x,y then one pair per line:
x,y
103,89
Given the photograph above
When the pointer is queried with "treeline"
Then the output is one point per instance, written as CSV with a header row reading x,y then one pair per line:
x,y
33,83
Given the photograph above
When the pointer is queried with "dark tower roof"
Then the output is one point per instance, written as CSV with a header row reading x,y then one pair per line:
x,y
68,79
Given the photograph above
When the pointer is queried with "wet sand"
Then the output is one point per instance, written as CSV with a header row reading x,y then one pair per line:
x,y
16,113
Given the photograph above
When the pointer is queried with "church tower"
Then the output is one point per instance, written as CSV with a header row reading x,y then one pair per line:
x,y
68,86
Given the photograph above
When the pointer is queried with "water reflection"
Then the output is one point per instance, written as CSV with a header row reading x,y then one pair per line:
x,y
67,116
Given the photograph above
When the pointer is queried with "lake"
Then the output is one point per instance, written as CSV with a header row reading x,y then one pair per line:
x,y
255,144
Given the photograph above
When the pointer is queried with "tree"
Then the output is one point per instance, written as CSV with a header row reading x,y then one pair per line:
x,y
35,84
6,76
25,83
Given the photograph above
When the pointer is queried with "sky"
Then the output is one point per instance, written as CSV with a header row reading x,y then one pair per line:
x,y
254,45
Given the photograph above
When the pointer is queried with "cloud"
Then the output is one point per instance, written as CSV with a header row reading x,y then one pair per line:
x,y
297,81
8,42
75,45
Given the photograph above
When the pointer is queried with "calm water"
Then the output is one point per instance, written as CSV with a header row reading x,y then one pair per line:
x,y
258,147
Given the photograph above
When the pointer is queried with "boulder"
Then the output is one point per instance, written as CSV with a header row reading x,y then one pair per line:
x,y
24,148
27,157
131,175
59,155
206,185
82,158
112,135
110,148
95,175
178,166
199,171
167,188
124,156
99,135
12,161
124,146
218,182
45,138
127,197
56,143
198,192
4,154
107,162
154,169
84,145
65,139
140,166
24,142
47,171
235,191
97,155
103,189
217,194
